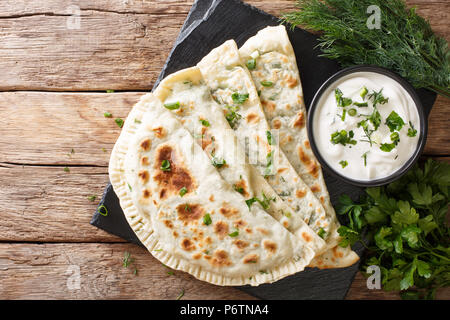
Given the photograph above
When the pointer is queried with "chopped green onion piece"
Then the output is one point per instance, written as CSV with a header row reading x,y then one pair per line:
x,y
239,98
218,162
361,104
109,91
352,112
204,123
251,64
344,112
266,83
183,191
102,210
207,219
165,165
343,163
172,105
234,234
66,169
269,137
119,122
322,233
363,92
92,198
107,114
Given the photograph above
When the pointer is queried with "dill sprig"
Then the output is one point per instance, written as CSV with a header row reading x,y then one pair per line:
x,y
405,43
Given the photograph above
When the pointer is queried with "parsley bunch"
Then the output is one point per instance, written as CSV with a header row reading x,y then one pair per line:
x,y
405,42
405,225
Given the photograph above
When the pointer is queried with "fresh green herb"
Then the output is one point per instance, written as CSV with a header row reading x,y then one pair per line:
x,y
266,83
183,191
102,210
251,64
239,98
269,137
109,91
172,105
135,271
375,119
352,112
269,166
92,198
341,100
181,294
119,122
207,219
218,162
265,202
378,98
107,115
343,163
205,123
232,116
238,189
411,131
165,165
234,234
361,104
364,156
405,43
322,233
367,131
387,147
394,122
187,208
127,260
66,169
170,273
137,121
343,137
395,137
129,187
407,230
363,94
344,112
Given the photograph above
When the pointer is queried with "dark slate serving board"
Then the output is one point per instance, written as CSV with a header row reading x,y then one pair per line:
x,y
208,25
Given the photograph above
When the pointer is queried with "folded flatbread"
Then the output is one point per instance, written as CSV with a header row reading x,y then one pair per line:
x,y
232,87
186,215
271,59
204,119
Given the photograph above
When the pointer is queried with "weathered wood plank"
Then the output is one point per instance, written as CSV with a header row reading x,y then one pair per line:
x,y
49,271
47,204
42,128
119,44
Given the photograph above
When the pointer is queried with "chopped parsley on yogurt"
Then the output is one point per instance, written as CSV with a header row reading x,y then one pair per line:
x,y
366,125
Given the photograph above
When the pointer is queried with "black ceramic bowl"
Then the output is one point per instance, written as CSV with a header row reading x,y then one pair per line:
x,y
423,125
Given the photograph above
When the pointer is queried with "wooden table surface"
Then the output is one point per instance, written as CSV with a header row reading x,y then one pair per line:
x,y
53,84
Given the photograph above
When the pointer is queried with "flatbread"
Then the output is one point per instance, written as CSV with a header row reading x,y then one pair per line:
x,y
204,119
227,77
285,110
153,159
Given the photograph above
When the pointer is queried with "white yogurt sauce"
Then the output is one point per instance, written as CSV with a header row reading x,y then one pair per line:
x,y
376,164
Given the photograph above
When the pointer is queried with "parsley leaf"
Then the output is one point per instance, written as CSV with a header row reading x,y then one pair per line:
x,y
394,122
239,98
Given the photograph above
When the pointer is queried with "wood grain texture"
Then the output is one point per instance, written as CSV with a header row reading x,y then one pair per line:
x,y
48,271
121,45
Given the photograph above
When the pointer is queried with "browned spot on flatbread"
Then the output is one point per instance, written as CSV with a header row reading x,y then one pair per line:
x,y
145,161
241,244
306,237
189,212
174,179
160,132
221,229
307,144
187,245
196,256
291,81
239,223
285,223
276,124
228,211
168,224
248,230
211,198
145,145
322,199
175,234
300,120
162,193
315,188
269,106
300,193
252,118
144,176
220,259
270,246
146,193
281,170
251,258
263,231
241,187
337,253
312,167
